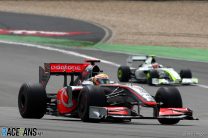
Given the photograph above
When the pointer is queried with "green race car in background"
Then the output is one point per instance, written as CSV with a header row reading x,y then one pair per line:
x,y
149,71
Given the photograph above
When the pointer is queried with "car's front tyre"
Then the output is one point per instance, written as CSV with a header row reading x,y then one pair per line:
x,y
90,96
124,73
169,97
186,73
151,75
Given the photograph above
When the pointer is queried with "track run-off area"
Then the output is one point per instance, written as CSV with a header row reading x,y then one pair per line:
x,y
20,62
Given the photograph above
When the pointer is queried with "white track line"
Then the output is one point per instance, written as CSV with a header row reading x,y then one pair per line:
x,y
71,53
59,50
203,86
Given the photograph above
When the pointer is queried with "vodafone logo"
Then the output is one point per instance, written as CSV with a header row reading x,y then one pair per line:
x,y
65,67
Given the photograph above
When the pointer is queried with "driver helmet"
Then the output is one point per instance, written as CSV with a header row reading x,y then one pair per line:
x,y
155,65
101,79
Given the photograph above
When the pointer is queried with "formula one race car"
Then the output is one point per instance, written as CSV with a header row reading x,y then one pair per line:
x,y
96,103
149,71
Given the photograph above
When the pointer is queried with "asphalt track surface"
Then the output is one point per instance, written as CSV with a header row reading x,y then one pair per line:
x,y
20,64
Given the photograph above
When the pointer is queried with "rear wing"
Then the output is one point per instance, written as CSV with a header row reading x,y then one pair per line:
x,y
146,59
65,69
133,58
92,61
136,58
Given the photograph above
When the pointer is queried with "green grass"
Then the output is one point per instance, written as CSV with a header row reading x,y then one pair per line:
x,y
162,51
46,40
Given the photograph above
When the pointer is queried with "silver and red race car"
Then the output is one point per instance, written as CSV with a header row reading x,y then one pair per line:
x,y
97,103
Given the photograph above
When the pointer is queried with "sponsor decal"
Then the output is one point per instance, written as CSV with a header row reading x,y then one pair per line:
x,y
143,93
20,131
67,67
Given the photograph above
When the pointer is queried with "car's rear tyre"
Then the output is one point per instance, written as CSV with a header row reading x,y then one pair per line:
x,y
90,96
186,73
169,97
152,74
124,73
32,101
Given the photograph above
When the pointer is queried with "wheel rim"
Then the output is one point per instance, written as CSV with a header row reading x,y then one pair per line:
x,y
22,102
148,75
120,73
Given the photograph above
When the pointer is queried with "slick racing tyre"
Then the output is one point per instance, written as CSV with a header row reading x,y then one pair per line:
x,y
32,101
90,96
124,73
186,73
152,74
169,97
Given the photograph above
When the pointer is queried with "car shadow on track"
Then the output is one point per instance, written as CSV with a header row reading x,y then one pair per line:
x,y
143,124
65,119
112,122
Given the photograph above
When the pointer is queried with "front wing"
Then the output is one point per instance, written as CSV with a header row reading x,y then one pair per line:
x,y
125,113
184,81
